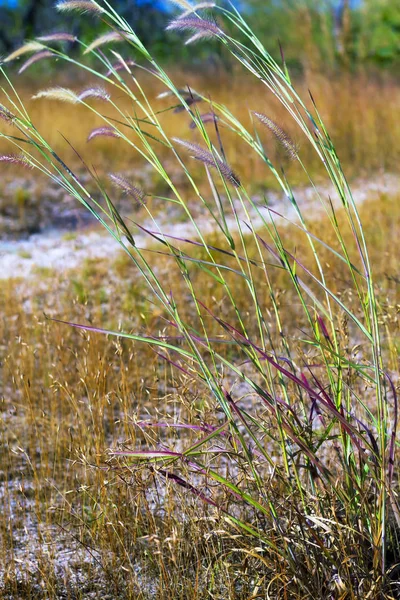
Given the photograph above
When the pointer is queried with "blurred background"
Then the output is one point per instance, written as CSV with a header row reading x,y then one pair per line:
x,y
347,52
316,34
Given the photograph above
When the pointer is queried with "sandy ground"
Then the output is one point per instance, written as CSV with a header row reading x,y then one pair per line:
x,y
53,249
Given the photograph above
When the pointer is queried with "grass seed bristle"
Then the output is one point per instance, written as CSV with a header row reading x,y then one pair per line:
x,y
126,186
57,93
28,47
107,38
94,92
283,138
197,37
57,37
82,6
205,26
36,58
206,157
105,131
6,115
16,159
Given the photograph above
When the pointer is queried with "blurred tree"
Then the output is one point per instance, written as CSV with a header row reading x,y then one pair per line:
x,y
29,18
315,34
306,29
380,31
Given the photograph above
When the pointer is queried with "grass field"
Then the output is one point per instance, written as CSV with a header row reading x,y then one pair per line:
x,y
213,412
359,110
75,522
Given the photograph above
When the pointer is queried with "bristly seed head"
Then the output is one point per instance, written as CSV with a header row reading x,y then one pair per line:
x,y
107,38
82,6
206,157
283,138
57,37
94,92
16,159
36,58
58,93
131,190
104,131
205,27
6,115
28,47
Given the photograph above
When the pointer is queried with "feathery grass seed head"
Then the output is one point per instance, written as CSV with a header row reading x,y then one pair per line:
x,y
28,47
205,27
57,37
58,93
105,131
206,157
16,159
123,184
6,115
283,138
82,6
107,38
36,58
94,92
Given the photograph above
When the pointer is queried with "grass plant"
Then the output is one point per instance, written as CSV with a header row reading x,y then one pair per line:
x,y
271,359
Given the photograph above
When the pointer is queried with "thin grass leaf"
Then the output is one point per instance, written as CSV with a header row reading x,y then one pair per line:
x,y
197,7
182,4
120,66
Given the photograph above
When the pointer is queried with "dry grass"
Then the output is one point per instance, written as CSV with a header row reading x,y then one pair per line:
x,y
365,130
74,524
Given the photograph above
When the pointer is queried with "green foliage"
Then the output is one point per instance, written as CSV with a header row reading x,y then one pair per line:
x,y
315,33
380,35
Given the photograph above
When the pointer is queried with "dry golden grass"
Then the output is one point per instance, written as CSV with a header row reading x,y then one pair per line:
x,y
67,396
365,130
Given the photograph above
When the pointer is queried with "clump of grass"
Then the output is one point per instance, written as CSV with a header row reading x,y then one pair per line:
x,y
294,456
